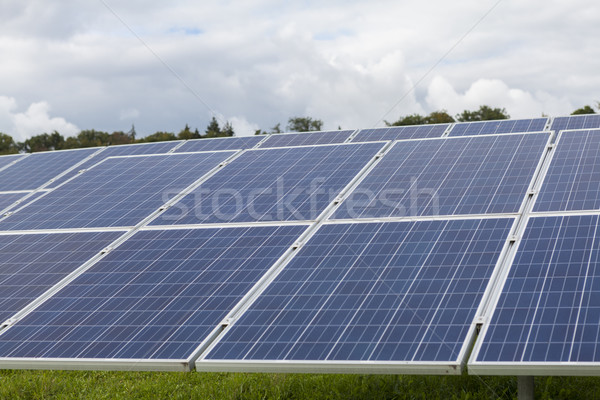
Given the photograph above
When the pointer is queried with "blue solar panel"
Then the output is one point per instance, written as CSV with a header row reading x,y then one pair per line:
x,y
7,199
396,291
7,160
230,143
591,121
120,191
38,168
499,126
549,308
401,132
573,178
295,183
306,138
32,264
121,150
470,175
157,296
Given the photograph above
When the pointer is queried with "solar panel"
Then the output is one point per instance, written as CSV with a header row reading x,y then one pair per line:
x,y
499,126
155,297
121,150
306,138
7,160
401,132
31,264
37,169
402,292
573,178
549,309
229,143
294,183
590,121
470,175
120,191
7,199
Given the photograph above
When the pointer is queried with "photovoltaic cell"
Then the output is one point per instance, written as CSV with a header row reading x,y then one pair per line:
x,y
7,160
499,126
573,178
401,132
591,121
121,150
549,308
284,184
38,168
120,191
230,143
157,296
7,199
396,291
306,138
32,264
470,175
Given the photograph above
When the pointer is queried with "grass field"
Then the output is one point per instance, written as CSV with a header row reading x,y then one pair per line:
x,y
152,385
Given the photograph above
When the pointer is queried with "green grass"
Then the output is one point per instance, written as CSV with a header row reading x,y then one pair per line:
x,y
152,385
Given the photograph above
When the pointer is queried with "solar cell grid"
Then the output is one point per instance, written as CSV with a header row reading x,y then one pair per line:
x,y
499,126
591,121
306,138
7,199
573,178
7,160
121,150
401,133
37,169
32,264
118,192
396,291
549,308
157,296
232,143
470,175
284,184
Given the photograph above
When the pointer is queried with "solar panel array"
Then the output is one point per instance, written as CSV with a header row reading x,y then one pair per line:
x,y
401,133
380,251
497,127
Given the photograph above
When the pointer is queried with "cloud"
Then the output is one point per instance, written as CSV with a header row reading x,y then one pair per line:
x,y
494,93
34,121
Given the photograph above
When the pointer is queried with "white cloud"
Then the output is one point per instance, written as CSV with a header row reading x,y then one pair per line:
x,y
34,121
243,127
345,62
494,93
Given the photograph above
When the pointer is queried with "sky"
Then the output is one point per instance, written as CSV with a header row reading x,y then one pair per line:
x,y
106,65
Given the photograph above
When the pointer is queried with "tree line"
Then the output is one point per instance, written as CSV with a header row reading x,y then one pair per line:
x,y
94,138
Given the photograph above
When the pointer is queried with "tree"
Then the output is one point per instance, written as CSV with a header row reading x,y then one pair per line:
x,y
187,134
212,129
584,110
227,130
436,117
485,113
7,144
43,142
158,137
120,137
304,124
92,138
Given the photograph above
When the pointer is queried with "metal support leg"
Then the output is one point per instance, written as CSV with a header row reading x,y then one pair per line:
x,y
525,387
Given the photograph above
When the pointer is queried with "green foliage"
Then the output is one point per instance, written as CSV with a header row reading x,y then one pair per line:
x,y
7,144
303,124
16,384
43,142
584,110
187,134
214,129
158,137
485,113
436,117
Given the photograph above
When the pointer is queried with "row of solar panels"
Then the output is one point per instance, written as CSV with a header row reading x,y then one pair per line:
x,y
367,257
